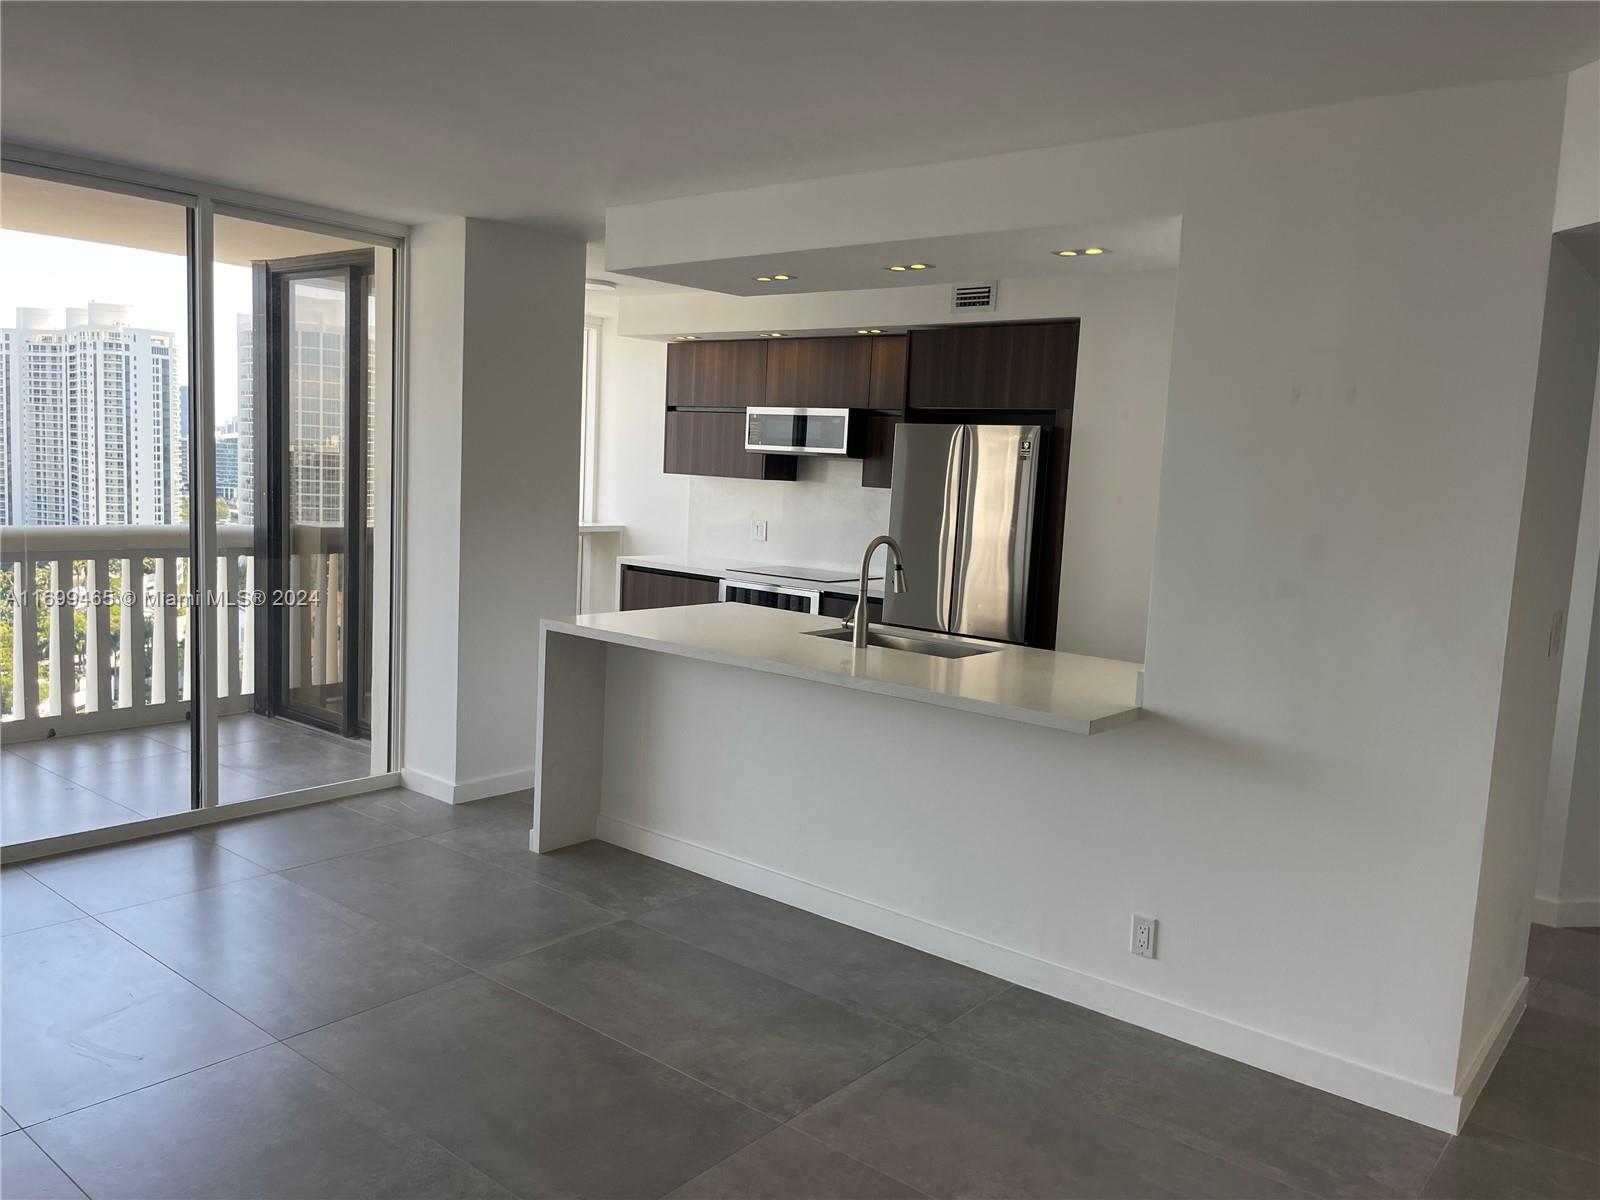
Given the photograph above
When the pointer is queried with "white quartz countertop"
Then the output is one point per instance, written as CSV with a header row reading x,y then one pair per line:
x,y
763,572
1071,692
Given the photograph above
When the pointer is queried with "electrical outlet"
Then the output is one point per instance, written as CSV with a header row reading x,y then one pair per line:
x,y
1143,941
758,531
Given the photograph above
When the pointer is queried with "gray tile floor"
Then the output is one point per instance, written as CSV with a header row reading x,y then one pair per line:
x,y
90,781
390,997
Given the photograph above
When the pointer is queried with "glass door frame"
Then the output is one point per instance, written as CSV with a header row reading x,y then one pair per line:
x,y
274,329
203,202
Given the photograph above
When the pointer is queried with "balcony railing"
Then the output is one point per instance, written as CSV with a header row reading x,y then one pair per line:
x,y
131,664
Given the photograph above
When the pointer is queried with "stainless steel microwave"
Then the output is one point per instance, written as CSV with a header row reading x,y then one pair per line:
x,y
828,431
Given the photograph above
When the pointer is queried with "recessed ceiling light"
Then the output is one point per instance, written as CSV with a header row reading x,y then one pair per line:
x,y
863,331
1094,250
874,331
686,337
1067,253
763,278
897,268
783,278
919,266
773,335
773,278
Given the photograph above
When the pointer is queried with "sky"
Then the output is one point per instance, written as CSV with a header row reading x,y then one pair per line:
x,y
39,271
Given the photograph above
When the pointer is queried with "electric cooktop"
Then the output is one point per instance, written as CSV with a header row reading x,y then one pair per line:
x,y
810,574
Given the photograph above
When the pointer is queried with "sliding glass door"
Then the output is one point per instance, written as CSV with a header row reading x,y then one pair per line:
x,y
320,489
309,319
195,502
98,660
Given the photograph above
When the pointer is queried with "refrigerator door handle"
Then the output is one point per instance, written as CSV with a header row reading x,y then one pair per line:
x,y
950,529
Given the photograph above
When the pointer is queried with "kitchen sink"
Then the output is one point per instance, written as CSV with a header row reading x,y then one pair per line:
x,y
936,647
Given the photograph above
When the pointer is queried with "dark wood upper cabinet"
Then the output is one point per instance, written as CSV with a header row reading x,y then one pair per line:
x,y
644,588
1017,367
887,387
877,454
716,374
824,372
712,443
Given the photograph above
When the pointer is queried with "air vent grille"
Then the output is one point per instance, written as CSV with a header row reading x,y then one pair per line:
x,y
973,297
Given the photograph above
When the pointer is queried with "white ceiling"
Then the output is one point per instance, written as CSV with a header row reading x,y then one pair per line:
x,y
968,258
549,112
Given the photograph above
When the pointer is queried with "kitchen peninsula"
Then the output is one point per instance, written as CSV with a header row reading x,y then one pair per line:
x,y
579,714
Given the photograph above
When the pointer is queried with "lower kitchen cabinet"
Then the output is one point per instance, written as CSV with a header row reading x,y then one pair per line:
x,y
845,606
642,587
700,442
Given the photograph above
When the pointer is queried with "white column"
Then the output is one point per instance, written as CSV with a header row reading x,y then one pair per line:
x,y
492,493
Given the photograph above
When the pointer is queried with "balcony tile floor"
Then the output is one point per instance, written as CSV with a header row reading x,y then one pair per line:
x,y
90,781
375,998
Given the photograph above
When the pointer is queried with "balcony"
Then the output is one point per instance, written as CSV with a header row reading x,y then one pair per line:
x,y
95,696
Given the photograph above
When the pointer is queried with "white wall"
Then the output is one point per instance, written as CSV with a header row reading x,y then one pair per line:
x,y
631,488
492,494
522,396
826,518
1568,880
1578,184
1567,891
1355,346
1542,588
1580,872
1114,482
437,268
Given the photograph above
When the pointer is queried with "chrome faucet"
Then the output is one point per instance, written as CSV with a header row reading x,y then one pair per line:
x,y
858,633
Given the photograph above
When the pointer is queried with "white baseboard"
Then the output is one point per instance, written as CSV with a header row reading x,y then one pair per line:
x,y
1483,1063
429,785
1567,914
467,790
1361,1082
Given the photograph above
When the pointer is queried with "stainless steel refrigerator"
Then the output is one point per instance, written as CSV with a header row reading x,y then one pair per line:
x,y
962,511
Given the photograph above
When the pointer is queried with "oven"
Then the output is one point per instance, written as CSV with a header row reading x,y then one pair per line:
x,y
770,595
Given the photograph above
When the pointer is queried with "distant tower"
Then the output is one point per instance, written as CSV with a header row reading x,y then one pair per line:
x,y
88,429
245,324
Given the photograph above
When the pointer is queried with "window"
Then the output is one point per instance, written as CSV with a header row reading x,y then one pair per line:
x,y
590,430
100,430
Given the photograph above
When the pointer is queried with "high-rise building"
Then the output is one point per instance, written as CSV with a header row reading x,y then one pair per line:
x,y
227,444
90,410
10,446
245,326
316,434
180,451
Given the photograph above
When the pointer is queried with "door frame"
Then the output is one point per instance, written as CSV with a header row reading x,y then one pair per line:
x,y
273,279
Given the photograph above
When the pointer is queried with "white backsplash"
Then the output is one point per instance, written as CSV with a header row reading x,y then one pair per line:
x,y
823,519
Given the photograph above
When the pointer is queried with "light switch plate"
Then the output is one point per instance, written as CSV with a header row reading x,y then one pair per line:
x,y
758,531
